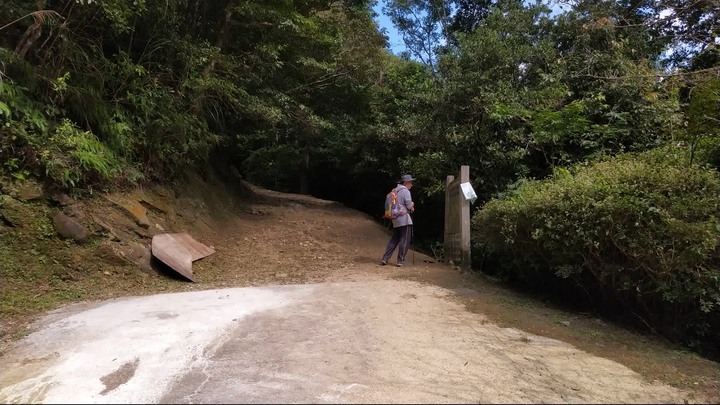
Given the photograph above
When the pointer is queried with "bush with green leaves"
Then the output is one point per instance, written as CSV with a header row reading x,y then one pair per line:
x,y
32,145
73,157
637,233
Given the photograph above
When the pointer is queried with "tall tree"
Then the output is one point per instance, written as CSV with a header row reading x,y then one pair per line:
x,y
469,15
423,25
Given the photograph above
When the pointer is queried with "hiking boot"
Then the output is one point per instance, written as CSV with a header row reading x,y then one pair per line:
x,y
383,262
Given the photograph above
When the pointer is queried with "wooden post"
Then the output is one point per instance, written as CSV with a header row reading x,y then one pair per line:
x,y
465,221
457,220
448,220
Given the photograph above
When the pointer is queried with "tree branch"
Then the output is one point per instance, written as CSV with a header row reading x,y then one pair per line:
x,y
658,75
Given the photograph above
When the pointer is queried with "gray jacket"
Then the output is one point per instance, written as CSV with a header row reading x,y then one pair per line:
x,y
404,200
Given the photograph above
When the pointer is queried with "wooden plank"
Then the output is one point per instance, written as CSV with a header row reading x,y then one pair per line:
x,y
196,249
175,256
178,251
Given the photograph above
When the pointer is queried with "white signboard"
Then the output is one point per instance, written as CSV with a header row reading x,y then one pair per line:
x,y
468,192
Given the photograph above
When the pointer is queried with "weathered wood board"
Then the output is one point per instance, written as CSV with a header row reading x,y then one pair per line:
x,y
178,251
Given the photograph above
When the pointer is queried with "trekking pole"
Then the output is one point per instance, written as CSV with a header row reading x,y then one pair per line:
x,y
412,239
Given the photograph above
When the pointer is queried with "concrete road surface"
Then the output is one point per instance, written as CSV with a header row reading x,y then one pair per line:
x,y
370,342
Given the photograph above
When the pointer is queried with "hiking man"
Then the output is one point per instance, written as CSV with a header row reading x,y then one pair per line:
x,y
402,225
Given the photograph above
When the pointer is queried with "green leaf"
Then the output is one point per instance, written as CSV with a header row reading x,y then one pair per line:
x,y
4,109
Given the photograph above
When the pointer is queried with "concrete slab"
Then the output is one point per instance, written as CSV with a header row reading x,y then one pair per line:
x,y
354,342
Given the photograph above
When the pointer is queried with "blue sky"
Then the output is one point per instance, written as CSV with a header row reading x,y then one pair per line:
x,y
395,39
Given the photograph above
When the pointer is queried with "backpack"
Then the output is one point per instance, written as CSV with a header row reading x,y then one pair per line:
x,y
392,209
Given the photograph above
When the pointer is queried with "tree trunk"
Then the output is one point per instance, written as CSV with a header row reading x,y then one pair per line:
x,y
304,169
219,43
32,33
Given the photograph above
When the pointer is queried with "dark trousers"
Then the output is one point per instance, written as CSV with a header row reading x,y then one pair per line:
x,y
400,239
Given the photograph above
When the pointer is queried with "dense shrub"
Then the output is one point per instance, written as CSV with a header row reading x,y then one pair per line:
x,y
636,233
60,153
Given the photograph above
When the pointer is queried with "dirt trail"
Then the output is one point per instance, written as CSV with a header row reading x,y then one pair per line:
x,y
327,324
323,241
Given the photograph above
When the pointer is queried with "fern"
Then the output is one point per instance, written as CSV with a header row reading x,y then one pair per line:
x,y
40,17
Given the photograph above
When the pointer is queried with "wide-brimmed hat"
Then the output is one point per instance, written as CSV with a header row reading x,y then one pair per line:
x,y
406,177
